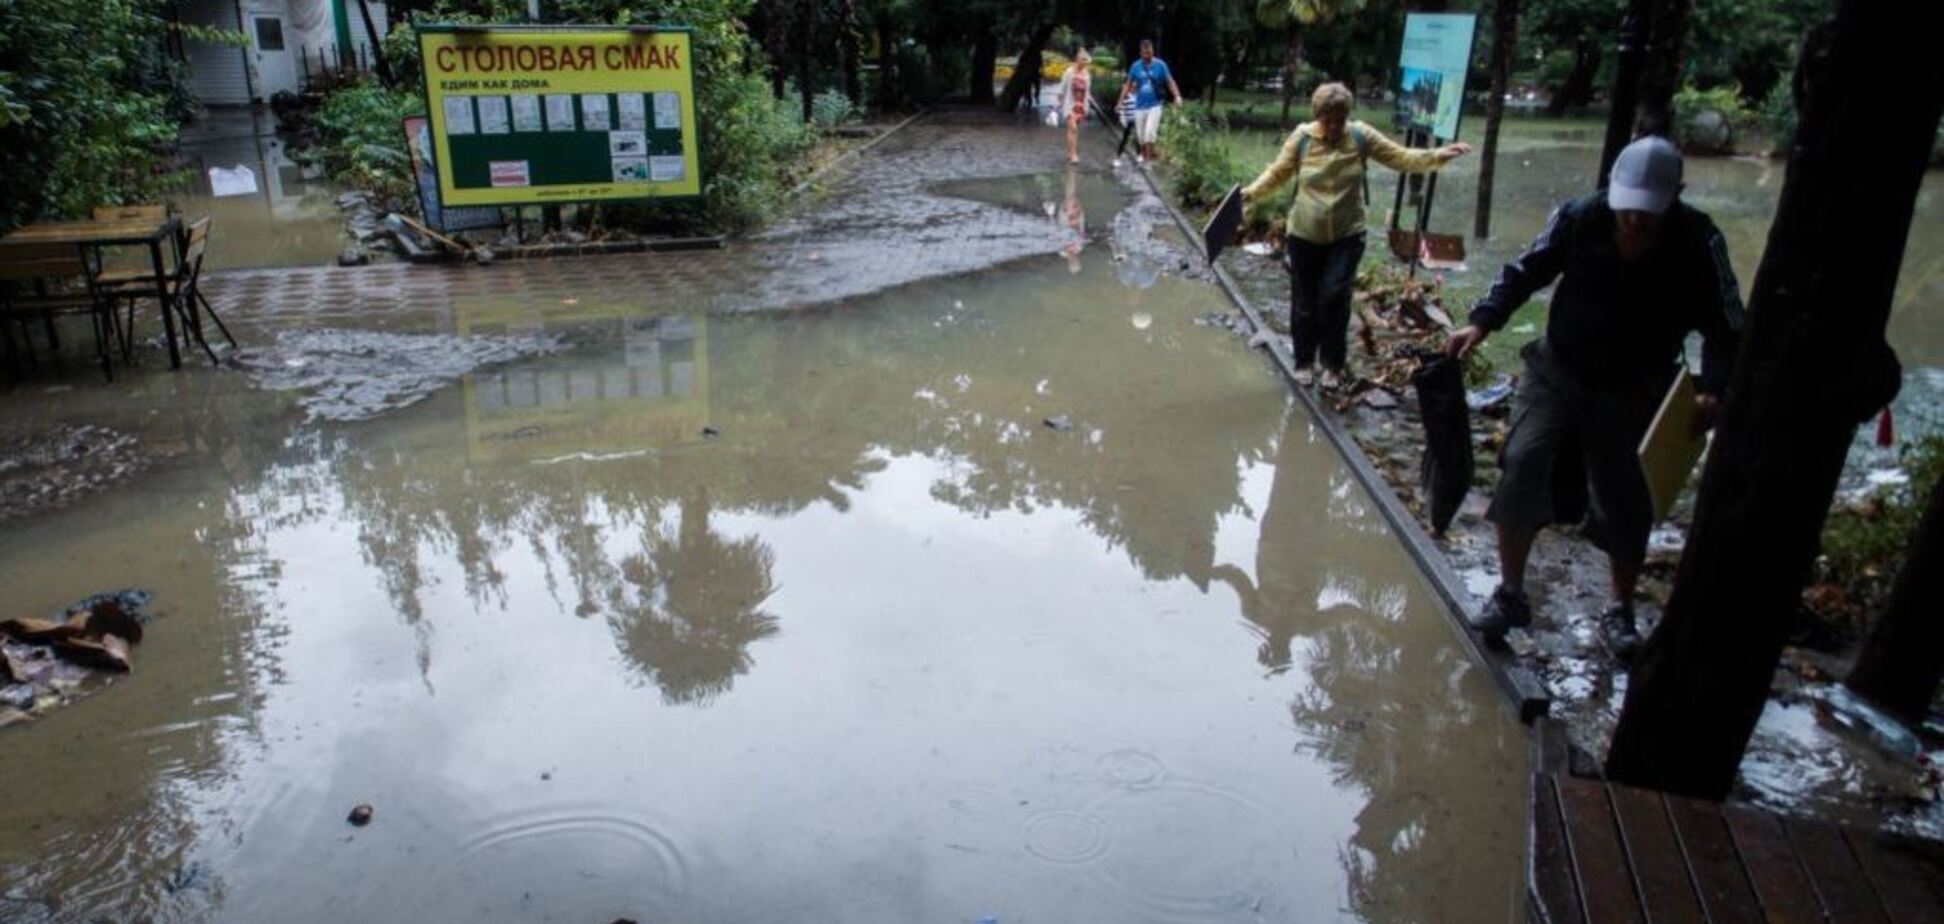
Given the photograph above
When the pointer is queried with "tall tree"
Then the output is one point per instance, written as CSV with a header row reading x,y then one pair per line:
x,y
1505,44
1667,45
1903,657
1290,16
1813,365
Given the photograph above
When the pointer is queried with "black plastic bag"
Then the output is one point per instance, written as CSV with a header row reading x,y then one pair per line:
x,y
1446,474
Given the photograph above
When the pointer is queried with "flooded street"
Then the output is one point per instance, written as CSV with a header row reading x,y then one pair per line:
x,y
983,586
292,218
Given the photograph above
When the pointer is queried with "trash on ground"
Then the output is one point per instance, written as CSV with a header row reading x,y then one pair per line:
x,y
360,814
1490,396
1059,422
49,662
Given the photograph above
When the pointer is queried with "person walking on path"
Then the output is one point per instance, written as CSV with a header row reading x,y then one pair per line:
x,y
1076,86
1324,238
1638,271
1145,81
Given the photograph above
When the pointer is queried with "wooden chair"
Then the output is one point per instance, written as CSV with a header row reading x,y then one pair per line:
x,y
179,287
39,280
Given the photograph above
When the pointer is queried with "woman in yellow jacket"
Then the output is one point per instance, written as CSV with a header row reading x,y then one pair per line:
x,y
1324,237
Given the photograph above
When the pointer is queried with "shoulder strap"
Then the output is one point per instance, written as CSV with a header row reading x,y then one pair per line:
x,y
1363,159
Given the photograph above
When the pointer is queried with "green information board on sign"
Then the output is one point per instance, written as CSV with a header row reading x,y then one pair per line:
x,y
525,115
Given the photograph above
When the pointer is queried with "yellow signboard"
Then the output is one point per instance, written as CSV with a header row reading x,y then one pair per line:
x,y
525,115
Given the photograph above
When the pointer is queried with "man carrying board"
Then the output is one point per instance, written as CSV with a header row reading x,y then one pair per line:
x,y
1638,271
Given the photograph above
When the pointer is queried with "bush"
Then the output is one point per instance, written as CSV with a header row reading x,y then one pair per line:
x,y
1690,108
360,142
1778,115
85,117
831,108
1863,543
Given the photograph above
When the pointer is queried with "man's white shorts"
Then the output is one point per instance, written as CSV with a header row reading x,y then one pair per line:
x,y
1147,124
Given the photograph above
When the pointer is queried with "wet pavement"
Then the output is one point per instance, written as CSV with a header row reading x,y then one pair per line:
x,y
705,612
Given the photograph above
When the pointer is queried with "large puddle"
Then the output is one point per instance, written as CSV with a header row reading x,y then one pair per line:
x,y
811,617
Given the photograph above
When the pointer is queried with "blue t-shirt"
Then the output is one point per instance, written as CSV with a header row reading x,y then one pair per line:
x,y
1149,81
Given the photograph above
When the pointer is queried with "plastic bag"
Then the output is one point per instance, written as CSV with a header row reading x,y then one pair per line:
x,y
1053,117
1446,473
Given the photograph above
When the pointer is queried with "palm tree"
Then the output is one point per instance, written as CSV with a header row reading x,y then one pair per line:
x,y
698,607
1287,15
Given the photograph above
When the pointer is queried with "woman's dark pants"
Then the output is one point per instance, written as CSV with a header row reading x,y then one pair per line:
x,y
1321,277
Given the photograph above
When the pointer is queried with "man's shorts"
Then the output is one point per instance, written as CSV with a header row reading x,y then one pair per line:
x,y
1147,123
1551,412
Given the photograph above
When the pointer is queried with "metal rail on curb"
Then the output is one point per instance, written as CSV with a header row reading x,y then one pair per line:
x,y
1529,696
847,155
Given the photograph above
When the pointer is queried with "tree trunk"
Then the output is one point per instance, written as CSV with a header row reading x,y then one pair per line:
x,y
849,43
985,54
1505,41
887,80
776,43
1661,77
1292,51
1903,657
806,57
1578,88
1635,28
1812,367
1029,59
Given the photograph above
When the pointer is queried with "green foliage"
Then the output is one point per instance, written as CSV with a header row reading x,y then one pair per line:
x,y
831,108
1777,115
1726,100
1863,544
360,142
85,117
1192,142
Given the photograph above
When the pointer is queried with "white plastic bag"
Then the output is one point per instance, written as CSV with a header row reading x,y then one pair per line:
x,y
1053,116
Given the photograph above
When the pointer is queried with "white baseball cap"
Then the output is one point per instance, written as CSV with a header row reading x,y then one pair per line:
x,y
1646,176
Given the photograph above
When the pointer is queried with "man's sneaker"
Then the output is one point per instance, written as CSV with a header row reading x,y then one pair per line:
x,y
1617,629
1507,609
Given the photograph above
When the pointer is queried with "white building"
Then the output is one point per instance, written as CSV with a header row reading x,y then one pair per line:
x,y
288,39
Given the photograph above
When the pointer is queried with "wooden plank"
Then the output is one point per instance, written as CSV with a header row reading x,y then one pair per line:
x,y
1725,892
88,232
1845,891
1911,886
1599,861
1660,871
1781,884
1550,883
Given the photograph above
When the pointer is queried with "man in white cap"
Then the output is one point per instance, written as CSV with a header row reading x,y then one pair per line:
x,y
1638,271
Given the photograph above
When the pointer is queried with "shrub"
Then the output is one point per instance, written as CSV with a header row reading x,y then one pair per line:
x,y
360,142
1863,543
1192,142
1778,115
85,110
831,108
1691,103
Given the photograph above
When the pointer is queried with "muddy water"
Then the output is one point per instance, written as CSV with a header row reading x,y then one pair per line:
x,y
884,647
291,220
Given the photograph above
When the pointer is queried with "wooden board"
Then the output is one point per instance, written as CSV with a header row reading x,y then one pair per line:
x,y
1222,225
1670,449
1719,879
1779,880
1912,890
1599,859
1660,871
1550,876
1840,883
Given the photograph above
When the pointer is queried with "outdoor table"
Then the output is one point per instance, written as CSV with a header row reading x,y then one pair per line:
x,y
93,235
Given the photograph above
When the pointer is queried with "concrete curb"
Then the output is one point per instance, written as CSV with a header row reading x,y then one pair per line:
x,y
814,178
1528,693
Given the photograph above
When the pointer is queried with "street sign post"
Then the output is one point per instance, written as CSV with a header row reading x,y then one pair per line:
x,y
543,115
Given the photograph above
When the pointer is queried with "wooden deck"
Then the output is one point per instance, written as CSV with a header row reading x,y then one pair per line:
x,y
1601,853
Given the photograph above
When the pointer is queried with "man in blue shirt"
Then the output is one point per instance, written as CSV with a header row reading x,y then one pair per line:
x,y
1145,80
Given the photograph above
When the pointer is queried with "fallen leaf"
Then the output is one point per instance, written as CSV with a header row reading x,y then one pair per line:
x,y
41,631
108,653
108,618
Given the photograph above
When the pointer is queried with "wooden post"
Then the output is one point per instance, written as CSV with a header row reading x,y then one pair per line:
x,y
1505,40
1903,658
1813,365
